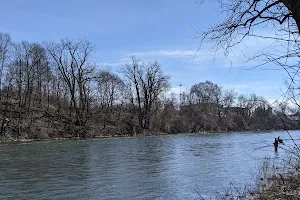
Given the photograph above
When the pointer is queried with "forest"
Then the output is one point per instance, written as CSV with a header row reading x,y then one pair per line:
x,y
54,90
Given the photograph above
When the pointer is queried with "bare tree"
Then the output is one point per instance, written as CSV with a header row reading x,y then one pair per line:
x,y
41,68
72,61
110,88
206,93
147,82
228,98
5,43
110,96
246,18
210,101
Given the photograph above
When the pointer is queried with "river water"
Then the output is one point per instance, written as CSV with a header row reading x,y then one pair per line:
x,y
160,167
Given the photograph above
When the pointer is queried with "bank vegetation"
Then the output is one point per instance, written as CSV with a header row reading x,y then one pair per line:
x,y
55,90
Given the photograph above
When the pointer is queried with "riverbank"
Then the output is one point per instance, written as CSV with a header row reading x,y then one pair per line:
x,y
145,134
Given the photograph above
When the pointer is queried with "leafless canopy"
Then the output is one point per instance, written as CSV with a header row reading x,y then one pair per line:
x,y
244,16
71,58
251,18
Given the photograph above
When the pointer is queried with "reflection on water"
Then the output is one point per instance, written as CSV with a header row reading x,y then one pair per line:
x,y
162,167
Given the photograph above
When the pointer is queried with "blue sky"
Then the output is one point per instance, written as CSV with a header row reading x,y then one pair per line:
x,y
163,30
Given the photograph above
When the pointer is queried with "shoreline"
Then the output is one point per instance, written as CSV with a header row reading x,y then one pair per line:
x,y
28,140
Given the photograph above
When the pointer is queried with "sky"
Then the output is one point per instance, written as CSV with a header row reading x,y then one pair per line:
x,y
162,30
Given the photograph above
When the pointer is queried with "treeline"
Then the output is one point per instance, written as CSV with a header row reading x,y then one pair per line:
x,y
208,107
54,90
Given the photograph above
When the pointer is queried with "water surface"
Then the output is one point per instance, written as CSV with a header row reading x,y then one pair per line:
x,y
159,167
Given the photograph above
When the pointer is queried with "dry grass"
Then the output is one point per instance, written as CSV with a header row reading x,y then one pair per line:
x,y
282,186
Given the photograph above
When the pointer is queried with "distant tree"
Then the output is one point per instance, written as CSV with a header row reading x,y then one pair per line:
x,y
205,107
110,96
251,102
41,68
206,92
20,71
147,82
167,115
263,117
110,88
228,98
5,44
72,61
242,101
284,108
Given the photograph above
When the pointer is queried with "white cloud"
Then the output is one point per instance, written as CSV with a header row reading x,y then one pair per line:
x,y
117,63
164,53
238,56
197,58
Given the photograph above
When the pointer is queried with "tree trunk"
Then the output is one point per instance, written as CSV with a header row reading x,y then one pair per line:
x,y
1,74
294,7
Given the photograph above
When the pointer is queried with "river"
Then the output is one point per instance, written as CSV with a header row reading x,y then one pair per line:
x,y
159,167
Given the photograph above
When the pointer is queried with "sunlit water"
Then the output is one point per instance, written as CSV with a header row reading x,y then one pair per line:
x,y
160,167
